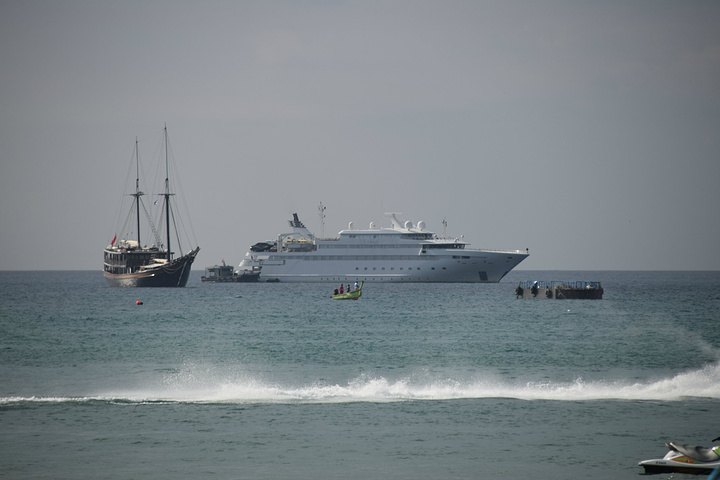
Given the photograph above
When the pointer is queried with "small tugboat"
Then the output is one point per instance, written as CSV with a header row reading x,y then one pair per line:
x,y
559,290
226,274
351,295
127,263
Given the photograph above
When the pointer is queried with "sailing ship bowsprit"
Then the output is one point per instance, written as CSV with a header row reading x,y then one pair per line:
x,y
129,263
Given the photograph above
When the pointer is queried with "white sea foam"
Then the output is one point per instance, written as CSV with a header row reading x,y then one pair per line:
x,y
198,385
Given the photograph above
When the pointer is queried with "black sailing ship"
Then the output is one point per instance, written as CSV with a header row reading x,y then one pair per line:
x,y
128,263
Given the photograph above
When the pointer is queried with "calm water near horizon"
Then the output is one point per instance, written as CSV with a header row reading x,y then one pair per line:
x,y
412,381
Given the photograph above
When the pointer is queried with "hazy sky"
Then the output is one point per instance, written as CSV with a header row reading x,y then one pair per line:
x,y
586,131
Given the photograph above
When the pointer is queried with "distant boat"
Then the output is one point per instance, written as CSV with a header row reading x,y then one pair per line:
x,y
351,295
129,263
227,274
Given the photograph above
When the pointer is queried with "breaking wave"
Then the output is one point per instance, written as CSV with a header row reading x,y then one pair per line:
x,y
195,384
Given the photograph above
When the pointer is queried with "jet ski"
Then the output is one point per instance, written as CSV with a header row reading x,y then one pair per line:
x,y
685,459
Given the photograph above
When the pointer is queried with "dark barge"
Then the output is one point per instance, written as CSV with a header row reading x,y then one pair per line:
x,y
580,290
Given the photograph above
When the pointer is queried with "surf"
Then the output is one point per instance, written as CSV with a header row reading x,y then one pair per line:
x,y
195,384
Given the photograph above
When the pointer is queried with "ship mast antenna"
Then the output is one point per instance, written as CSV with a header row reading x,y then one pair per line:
x,y
444,224
321,214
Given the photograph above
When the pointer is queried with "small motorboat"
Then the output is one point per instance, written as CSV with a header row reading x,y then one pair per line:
x,y
683,458
351,295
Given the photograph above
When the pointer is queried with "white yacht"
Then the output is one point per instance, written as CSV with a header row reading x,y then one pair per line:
x,y
399,253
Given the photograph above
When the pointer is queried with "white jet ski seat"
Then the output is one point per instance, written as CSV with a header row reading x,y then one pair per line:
x,y
701,454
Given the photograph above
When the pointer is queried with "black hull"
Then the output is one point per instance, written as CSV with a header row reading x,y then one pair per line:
x,y
175,274
245,278
576,294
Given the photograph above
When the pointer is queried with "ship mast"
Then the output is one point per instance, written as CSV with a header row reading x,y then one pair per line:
x,y
167,197
137,193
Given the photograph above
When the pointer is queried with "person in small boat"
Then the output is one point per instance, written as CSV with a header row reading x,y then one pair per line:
x,y
336,292
348,288
356,286
341,288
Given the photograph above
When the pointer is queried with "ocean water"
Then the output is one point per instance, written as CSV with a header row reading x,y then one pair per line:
x,y
275,381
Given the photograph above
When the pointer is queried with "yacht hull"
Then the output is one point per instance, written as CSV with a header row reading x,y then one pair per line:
x,y
470,267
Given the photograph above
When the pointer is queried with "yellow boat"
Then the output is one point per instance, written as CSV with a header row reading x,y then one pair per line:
x,y
352,295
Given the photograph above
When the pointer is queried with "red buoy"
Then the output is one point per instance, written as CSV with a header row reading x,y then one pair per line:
x,y
138,302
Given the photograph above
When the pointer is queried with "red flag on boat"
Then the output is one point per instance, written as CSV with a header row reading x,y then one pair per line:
x,y
113,241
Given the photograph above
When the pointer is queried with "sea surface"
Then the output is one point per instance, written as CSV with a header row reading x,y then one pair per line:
x,y
412,381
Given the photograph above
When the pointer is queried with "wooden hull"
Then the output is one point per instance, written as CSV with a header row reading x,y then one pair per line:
x,y
353,295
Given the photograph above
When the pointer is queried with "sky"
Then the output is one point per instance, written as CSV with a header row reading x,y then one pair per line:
x,y
585,131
